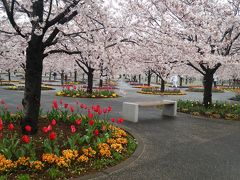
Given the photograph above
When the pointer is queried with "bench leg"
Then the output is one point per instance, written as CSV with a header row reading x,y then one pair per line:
x,y
130,112
170,109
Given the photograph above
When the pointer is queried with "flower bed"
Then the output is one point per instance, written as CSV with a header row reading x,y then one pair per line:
x,y
200,89
142,86
157,91
236,90
72,83
21,88
6,84
216,110
68,143
76,92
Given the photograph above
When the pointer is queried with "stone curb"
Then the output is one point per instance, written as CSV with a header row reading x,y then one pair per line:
x,y
123,165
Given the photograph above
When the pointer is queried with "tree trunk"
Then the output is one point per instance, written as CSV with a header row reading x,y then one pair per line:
x,y
100,83
207,83
149,76
156,79
50,76
33,80
139,77
62,77
181,81
162,85
186,82
75,76
9,75
83,78
90,81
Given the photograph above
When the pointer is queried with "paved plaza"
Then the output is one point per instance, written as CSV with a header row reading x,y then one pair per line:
x,y
183,148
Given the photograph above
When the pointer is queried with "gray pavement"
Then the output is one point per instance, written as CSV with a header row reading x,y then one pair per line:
x,y
178,148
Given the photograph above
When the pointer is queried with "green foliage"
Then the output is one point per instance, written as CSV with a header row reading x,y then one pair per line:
x,y
224,109
23,177
9,146
117,156
55,173
102,163
200,89
132,145
3,177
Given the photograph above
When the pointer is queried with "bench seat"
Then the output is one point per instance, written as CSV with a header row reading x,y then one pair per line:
x,y
131,109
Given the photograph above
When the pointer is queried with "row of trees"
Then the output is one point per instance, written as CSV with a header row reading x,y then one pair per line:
x,y
162,37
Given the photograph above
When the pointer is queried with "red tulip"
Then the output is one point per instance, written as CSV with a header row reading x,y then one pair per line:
x,y
26,139
109,108
71,108
113,119
104,110
10,127
52,136
74,87
78,121
90,115
96,132
60,101
73,129
45,129
49,128
104,128
99,112
81,105
54,122
5,107
2,101
54,104
91,122
28,128
120,120
65,105
84,106
1,124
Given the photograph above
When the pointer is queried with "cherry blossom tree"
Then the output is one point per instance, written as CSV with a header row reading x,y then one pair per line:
x,y
41,24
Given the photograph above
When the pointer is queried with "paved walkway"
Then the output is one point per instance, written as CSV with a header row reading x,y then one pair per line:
x,y
178,148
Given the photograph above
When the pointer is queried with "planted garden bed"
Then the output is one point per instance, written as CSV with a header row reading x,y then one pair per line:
x,y
157,91
76,92
21,88
216,110
201,89
68,144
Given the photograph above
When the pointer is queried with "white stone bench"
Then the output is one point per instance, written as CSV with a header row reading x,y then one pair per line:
x,y
130,109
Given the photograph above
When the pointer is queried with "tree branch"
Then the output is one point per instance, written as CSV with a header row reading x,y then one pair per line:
x,y
11,18
194,67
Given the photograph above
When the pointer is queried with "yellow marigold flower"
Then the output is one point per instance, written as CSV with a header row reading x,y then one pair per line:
x,y
111,141
105,152
62,162
6,164
49,158
70,154
83,158
117,147
103,146
22,161
89,152
121,141
38,165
